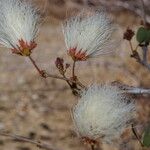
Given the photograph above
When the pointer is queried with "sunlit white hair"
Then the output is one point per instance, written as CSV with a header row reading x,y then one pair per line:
x,y
19,21
102,112
89,35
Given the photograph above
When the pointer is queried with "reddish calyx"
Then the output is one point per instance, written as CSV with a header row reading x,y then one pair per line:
x,y
89,141
77,55
24,48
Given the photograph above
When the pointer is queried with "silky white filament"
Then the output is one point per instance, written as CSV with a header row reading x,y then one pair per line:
x,y
19,20
90,34
102,112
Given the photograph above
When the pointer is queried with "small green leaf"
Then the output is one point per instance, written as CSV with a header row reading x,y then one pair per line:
x,y
148,36
146,137
143,35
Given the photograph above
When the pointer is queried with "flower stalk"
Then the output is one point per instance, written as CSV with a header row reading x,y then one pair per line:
x,y
73,70
41,72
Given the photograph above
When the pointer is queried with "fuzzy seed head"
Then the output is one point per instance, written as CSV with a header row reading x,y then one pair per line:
x,y
102,112
19,22
89,35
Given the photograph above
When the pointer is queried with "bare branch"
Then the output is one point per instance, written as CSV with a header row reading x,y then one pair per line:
x,y
143,61
27,140
44,74
136,135
73,69
130,89
144,13
135,90
118,5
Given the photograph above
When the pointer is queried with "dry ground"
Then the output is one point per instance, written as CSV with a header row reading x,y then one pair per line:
x,y
41,111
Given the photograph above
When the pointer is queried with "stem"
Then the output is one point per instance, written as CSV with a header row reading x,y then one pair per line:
x,y
136,135
27,140
137,57
130,89
137,91
92,147
64,78
144,13
95,146
144,62
73,69
35,65
46,75
136,47
131,46
68,81
145,49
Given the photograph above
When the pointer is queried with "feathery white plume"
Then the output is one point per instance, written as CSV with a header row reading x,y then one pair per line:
x,y
102,112
19,22
89,35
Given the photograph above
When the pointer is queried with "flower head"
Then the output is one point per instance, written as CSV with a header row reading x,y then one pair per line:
x,y
88,35
19,22
102,112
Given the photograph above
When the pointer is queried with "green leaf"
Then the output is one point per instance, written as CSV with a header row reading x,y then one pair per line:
x,y
148,36
146,137
143,35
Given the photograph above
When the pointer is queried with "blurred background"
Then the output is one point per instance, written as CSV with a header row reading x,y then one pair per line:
x,y
39,109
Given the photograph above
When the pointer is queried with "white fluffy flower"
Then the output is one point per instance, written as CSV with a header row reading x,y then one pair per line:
x,y
102,112
89,35
19,22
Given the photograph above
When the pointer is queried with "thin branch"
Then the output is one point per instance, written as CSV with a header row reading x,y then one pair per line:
x,y
118,5
67,81
95,145
125,88
143,61
36,66
44,74
145,50
137,91
73,69
144,13
130,89
18,90
27,140
92,147
64,78
137,47
74,76
132,49
136,135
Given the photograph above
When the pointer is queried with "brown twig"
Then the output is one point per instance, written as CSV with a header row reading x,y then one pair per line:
x,y
65,79
143,61
132,49
144,13
27,140
73,69
129,33
36,67
92,147
95,146
130,89
44,74
119,5
136,135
